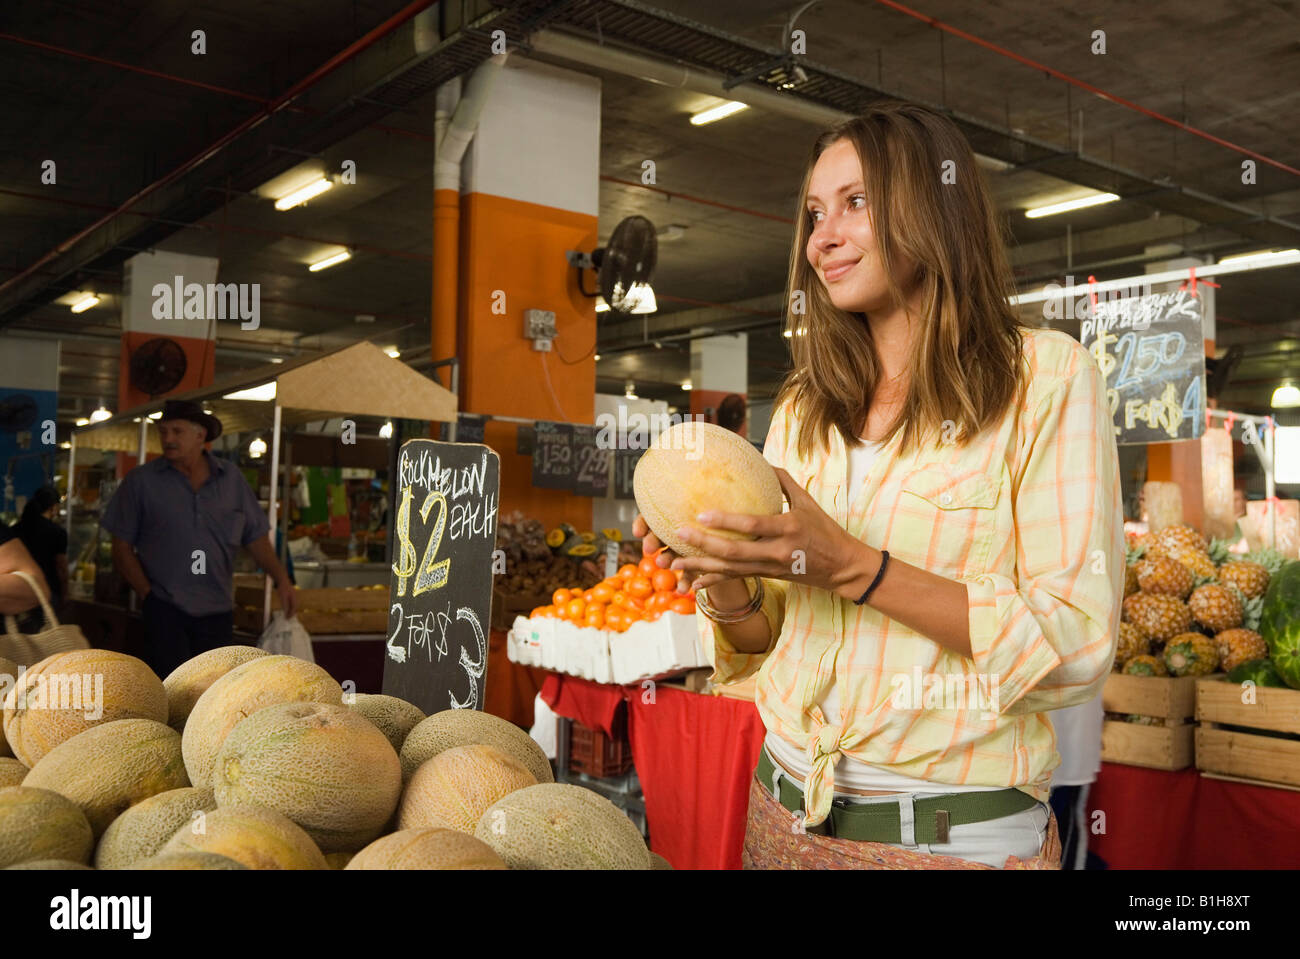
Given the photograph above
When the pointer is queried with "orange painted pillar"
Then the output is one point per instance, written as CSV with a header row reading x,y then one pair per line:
x,y
530,191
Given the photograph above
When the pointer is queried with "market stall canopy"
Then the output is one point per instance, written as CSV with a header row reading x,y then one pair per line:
x,y
356,380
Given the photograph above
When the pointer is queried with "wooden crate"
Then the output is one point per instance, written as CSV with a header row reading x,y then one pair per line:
x,y
1227,747
1156,747
1171,699
506,606
321,611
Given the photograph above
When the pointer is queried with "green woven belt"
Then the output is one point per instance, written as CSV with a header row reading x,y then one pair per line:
x,y
880,821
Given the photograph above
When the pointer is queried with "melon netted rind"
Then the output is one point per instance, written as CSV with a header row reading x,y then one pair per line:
x,y
52,865
144,829
188,860
325,767
394,717
466,727
8,678
427,849
99,685
338,860
258,683
692,467
109,768
12,772
561,826
258,837
188,681
40,824
658,862
454,788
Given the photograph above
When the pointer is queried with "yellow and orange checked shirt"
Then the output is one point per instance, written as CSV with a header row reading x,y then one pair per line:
x,y
1028,515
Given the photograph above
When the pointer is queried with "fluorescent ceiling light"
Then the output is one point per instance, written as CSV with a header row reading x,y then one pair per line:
x,y
100,415
82,305
1077,204
597,357
601,305
718,112
156,415
257,448
303,194
277,359
686,385
1286,397
386,431
392,351
630,393
83,422
1259,256
65,445
331,260
264,392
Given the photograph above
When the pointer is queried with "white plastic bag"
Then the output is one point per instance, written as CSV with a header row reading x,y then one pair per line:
x,y
286,637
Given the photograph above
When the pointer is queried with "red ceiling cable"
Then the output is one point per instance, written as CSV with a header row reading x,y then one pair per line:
x,y
1114,98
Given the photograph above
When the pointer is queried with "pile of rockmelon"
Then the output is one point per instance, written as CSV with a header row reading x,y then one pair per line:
x,y
244,760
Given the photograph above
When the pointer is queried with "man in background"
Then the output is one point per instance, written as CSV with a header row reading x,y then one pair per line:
x,y
176,523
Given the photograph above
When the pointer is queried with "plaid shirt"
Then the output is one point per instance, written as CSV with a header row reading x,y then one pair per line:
x,y
1028,515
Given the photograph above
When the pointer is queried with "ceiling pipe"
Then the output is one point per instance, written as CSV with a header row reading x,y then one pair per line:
x,y
274,106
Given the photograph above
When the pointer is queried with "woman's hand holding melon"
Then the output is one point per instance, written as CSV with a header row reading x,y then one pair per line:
x,y
803,545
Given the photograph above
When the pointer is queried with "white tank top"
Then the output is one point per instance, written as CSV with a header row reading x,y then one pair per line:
x,y
850,772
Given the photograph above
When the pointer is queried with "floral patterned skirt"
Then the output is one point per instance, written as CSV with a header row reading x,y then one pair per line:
x,y
771,842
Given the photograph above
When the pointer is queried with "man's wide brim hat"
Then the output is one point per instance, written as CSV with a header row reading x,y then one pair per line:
x,y
185,410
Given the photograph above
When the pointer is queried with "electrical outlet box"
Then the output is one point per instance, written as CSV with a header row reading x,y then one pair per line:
x,y
539,326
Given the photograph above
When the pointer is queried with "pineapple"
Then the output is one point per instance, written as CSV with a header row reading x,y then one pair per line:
x,y
1156,616
1145,665
1237,646
1171,538
1219,551
1250,578
1130,581
1163,575
1198,561
1216,608
1191,654
1270,559
1131,643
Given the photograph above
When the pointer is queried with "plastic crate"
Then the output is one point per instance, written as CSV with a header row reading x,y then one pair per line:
x,y
596,754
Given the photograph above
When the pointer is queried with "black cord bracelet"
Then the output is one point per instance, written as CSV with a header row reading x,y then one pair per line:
x,y
880,574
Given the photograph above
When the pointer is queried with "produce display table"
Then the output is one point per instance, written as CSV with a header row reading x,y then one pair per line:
x,y
694,755
1183,820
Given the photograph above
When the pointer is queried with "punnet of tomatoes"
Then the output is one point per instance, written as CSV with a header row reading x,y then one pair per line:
x,y
638,592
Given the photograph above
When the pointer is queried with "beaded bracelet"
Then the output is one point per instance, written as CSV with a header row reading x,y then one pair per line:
x,y
730,617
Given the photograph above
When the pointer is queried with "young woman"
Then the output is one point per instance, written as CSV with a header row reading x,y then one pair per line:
x,y
949,567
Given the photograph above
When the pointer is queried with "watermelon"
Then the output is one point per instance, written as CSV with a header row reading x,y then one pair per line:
x,y
1261,672
1279,622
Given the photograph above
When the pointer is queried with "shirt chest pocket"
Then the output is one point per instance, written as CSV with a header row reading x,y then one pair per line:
x,y
228,526
951,518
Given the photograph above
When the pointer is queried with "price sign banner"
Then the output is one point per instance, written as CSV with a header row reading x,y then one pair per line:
x,y
1152,352
590,463
553,456
440,590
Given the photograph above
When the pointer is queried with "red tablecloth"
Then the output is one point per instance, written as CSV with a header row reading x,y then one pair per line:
x,y
1181,820
694,755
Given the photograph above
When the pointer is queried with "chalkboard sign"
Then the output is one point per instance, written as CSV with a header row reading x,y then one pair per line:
x,y
1152,352
624,467
590,463
440,590
553,456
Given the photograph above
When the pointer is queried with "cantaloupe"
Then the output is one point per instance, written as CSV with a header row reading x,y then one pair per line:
x,y
258,683
111,767
338,860
559,826
468,727
427,849
8,679
692,467
323,766
659,862
188,860
394,717
145,828
455,787
95,685
54,865
190,680
255,836
12,772
39,824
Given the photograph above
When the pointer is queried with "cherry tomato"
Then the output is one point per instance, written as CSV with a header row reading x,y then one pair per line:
x,y
659,602
664,581
601,593
615,619
647,566
561,596
627,571
575,609
639,587
684,605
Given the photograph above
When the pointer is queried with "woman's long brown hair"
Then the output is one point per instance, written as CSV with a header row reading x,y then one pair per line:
x,y
929,204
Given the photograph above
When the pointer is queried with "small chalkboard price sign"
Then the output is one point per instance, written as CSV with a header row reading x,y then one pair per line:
x,y
440,590
1151,350
590,463
624,468
553,456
